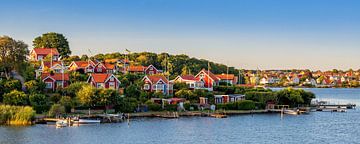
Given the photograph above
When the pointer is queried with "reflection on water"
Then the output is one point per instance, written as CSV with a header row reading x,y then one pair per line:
x,y
317,127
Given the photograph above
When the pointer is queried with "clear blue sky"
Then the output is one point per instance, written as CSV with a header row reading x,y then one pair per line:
x,y
269,34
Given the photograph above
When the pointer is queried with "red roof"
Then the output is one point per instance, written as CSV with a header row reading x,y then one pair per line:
x,y
156,78
136,68
56,76
226,76
109,66
48,64
100,78
82,64
188,77
46,51
211,75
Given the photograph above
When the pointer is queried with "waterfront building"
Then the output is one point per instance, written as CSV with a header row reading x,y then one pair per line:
x,y
208,79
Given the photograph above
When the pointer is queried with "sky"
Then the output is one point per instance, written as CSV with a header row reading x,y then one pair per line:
x,y
249,34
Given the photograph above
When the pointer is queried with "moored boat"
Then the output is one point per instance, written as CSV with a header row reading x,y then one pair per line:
x,y
61,123
87,121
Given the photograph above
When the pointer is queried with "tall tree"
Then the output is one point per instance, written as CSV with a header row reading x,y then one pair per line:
x,y
12,54
53,40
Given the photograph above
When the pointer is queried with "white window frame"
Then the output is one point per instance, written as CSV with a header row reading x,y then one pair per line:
x,y
112,85
40,57
146,86
49,85
59,84
99,69
100,85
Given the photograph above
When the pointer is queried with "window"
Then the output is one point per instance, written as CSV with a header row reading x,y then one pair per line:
x,y
112,79
48,85
40,57
57,70
100,85
151,72
99,69
112,85
59,84
146,87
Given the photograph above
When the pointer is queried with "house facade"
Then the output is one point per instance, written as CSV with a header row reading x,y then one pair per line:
x,y
190,81
55,80
208,79
82,66
38,54
227,78
157,83
101,80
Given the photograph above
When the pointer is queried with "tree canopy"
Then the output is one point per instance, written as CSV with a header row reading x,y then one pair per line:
x,y
53,40
12,54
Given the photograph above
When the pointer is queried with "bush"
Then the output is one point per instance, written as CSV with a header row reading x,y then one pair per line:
x,y
66,101
153,106
239,105
39,102
56,110
245,105
16,115
15,97
170,107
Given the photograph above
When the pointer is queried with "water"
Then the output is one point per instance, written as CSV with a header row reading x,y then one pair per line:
x,y
317,127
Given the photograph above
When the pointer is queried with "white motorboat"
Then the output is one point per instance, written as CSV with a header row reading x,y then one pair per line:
x,y
88,121
291,112
61,123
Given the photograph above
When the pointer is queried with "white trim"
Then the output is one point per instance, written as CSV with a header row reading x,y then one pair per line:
x,y
149,67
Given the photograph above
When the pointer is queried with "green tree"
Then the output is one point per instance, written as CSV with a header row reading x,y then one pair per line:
x,y
34,86
67,102
39,102
12,54
56,110
132,91
16,97
86,95
53,40
73,88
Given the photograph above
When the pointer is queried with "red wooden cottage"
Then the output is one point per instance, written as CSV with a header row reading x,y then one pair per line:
x,y
150,70
228,78
38,54
208,79
82,66
55,80
157,83
107,81
190,80
105,68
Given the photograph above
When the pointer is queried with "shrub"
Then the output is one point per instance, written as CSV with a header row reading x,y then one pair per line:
x,y
15,97
170,107
245,105
16,115
39,102
56,110
153,106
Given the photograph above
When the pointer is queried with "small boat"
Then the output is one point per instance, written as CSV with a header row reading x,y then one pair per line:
x,y
291,112
87,121
218,115
61,123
